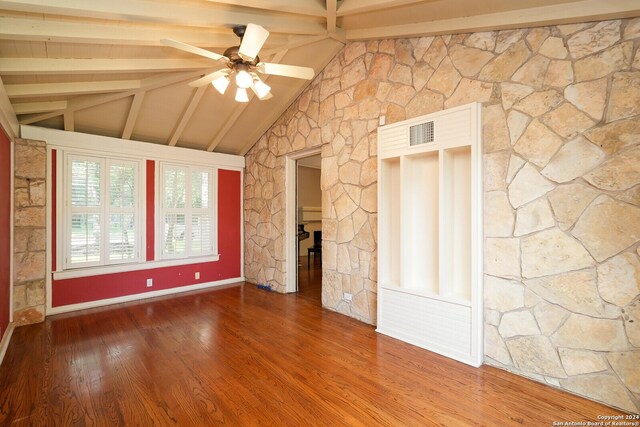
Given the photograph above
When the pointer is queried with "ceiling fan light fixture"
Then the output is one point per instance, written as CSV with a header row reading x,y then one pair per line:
x,y
261,88
243,79
221,84
241,95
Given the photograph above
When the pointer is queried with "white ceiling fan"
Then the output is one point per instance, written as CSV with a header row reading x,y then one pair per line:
x,y
243,62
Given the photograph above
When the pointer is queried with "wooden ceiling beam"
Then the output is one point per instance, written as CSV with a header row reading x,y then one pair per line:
x,y
30,66
182,14
186,115
300,7
8,119
579,11
332,6
69,121
89,101
353,7
134,110
239,108
39,107
17,91
49,30
338,35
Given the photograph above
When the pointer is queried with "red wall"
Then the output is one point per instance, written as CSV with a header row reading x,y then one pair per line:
x,y
85,289
5,231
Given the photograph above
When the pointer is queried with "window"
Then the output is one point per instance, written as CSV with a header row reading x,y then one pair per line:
x,y
101,216
188,214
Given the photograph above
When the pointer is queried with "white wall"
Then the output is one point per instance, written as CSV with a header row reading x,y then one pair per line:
x,y
309,195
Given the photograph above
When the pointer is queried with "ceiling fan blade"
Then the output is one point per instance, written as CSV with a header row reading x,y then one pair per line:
x,y
209,78
195,50
252,41
287,70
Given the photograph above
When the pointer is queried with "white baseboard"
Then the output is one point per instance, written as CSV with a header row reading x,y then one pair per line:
x,y
4,344
137,297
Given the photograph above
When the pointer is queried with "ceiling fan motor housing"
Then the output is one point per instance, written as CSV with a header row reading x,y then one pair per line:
x,y
233,52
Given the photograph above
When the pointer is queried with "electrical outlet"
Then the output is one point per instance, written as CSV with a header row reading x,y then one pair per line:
x,y
382,120
197,275
149,283
347,296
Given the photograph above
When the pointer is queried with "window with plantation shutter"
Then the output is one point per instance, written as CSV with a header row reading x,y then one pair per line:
x,y
101,212
187,216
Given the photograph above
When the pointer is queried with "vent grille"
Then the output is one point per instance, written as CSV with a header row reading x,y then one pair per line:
x,y
421,134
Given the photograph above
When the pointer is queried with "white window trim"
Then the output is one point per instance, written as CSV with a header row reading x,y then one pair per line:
x,y
124,268
161,211
65,214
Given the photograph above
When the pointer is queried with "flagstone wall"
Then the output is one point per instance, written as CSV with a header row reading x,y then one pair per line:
x,y
561,124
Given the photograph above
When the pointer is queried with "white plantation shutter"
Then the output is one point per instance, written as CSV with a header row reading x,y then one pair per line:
x,y
122,211
201,215
85,240
187,212
174,234
101,211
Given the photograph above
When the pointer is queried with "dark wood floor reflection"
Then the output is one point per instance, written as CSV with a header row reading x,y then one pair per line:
x,y
243,356
310,279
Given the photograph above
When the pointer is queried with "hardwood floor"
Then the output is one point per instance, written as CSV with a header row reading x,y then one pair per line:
x,y
310,280
243,356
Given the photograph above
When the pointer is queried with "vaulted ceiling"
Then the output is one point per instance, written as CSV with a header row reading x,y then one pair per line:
x,y
97,66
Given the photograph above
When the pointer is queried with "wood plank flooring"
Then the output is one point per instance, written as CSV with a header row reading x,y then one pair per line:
x,y
243,356
310,280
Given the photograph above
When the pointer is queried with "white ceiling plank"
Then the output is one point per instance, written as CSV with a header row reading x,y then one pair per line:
x,y
18,91
239,108
182,14
13,28
332,5
301,7
352,7
69,122
39,107
134,110
89,101
8,119
263,127
186,116
30,66
579,11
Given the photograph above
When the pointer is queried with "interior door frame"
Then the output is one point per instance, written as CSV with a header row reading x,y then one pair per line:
x,y
290,233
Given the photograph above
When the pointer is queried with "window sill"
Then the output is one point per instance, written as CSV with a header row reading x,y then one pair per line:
x,y
123,268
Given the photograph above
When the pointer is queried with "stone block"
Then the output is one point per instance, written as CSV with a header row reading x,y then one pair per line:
x,y
518,323
30,160
502,295
619,279
607,227
536,354
29,266
601,387
502,257
578,362
552,252
599,37
589,333
574,159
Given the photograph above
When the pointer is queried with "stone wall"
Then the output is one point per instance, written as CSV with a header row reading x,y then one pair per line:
x,y
30,169
561,123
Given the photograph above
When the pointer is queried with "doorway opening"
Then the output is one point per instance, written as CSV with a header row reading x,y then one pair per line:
x,y
309,228
303,224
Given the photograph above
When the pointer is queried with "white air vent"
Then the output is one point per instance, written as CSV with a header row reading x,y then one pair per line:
x,y
421,134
